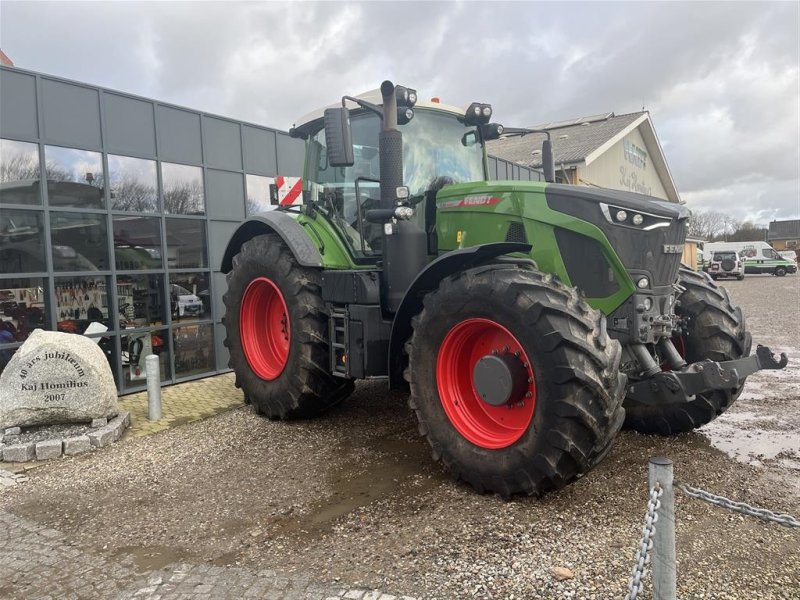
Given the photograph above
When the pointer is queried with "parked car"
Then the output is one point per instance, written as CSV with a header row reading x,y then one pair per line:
x,y
726,263
184,303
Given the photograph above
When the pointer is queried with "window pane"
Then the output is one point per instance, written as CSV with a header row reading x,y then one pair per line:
x,y
135,348
183,189
19,173
186,243
258,194
194,350
141,301
133,184
79,242
21,241
137,243
81,301
189,297
74,177
23,308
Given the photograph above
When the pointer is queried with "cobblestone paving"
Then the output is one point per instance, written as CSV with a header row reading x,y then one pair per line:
x,y
41,563
183,403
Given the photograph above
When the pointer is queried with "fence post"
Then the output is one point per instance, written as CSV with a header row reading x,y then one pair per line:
x,y
663,559
153,387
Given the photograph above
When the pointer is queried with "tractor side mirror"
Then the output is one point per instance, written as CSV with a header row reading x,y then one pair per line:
x,y
548,163
338,137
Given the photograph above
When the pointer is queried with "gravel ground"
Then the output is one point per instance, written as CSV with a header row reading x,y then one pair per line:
x,y
354,497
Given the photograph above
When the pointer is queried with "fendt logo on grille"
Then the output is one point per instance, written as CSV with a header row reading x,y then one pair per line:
x,y
673,249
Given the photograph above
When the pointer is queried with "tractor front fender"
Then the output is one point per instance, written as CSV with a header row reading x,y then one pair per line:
x,y
427,280
285,226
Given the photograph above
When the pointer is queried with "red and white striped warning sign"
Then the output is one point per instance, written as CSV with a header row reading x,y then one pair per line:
x,y
290,190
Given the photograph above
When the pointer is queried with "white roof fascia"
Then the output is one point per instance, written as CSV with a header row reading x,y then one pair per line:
x,y
650,136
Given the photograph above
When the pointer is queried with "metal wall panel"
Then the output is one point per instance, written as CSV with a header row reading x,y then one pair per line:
x,y
221,353
18,105
290,156
71,115
129,126
222,143
179,137
259,151
219,233
224,195
220,286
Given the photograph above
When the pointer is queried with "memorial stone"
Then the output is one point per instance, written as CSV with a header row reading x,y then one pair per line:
x,y
56,378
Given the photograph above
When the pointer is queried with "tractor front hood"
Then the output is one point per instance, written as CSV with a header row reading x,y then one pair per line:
x,y
647,234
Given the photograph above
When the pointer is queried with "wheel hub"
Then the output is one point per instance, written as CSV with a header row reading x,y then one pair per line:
x,y
486,383
500,379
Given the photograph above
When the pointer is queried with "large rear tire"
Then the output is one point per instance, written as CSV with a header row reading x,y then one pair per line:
x,y
277,333
715,330
560,423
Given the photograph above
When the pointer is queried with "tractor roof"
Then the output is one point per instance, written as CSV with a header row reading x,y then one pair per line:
x,y
313,120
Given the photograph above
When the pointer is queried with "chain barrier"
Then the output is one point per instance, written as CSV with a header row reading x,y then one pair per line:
x,y
646,544
740,507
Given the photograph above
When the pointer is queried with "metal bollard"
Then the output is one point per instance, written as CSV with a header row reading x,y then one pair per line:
x,y
663,565
153,387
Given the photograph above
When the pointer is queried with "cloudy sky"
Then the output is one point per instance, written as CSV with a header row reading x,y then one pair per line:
x,y
721,81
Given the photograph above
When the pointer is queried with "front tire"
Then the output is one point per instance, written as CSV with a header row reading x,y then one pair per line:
x,y
780,271
277,334
558,423
716,331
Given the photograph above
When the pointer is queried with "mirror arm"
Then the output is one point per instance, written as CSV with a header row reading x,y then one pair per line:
x,y
363,104
520,131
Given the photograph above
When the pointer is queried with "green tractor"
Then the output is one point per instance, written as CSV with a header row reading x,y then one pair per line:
x,y
529,320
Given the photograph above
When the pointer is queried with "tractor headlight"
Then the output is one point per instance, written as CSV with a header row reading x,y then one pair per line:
x,y
648,303
643,283
404,115
637,219
405,96
403,213
621,215
478,114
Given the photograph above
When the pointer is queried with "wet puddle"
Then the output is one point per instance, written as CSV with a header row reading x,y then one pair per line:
x,y
764,423
150,558
398,468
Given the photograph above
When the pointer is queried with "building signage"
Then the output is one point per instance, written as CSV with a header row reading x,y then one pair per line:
x,y
635,155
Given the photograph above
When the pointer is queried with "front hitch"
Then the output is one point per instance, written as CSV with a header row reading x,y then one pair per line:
x,y
673,387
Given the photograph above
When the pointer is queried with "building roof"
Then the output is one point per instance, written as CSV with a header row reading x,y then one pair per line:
x,y
784,230
581,141
573,140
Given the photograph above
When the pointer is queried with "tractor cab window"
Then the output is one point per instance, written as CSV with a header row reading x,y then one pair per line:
x,y
438,150
334,188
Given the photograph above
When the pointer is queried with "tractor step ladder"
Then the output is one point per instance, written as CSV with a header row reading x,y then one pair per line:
x,y
338,336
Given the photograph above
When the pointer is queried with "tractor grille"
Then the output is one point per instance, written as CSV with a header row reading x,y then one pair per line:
x,y
586,264
516,233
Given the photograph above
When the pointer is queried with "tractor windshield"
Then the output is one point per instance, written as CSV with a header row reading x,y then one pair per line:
x,y
438,150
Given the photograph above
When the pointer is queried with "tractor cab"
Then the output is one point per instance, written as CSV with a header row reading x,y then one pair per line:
x,y
440,147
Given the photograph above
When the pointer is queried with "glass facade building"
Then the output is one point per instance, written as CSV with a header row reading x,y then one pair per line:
x,y
114,215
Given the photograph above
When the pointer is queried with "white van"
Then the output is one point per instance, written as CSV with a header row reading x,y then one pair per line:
x,y
758,257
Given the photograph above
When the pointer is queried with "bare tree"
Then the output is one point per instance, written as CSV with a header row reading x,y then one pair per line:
x,y
706,225
128,193
185,198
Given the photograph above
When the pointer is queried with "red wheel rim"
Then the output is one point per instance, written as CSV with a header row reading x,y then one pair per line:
x,y
264,328
483,424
